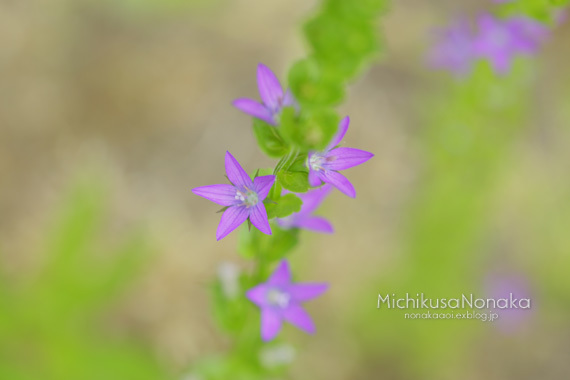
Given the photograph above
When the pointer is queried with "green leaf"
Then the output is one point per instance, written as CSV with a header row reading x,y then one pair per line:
x,y
311,131
297,182
269,139
285,206
312,86
362,10
341,45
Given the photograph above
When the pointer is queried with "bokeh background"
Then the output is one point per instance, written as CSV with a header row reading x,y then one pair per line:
x,y
111,111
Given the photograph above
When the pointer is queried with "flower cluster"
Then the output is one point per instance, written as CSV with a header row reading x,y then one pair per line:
x,y
499,41
243,198
246,199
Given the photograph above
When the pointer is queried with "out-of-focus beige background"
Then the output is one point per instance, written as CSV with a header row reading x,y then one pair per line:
x,y
141,92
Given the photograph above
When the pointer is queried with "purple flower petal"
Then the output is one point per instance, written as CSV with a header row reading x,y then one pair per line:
x,y
486,21
270,89
262,185
306,292
298,317
270,324
279,301
231,219
221,194
340,182
345,158
303,219
314,178
289,100
499,41
454,48
258,217
342,128
501,63
258,295
253,108
281,276
530,33
313,198
237,176
314,223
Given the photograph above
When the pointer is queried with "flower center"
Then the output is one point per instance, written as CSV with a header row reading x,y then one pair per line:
x,y
247,197
316,162
279,298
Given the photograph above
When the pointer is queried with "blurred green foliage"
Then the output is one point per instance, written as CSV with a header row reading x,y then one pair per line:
x,y
470,131
51,326
267,249
544,10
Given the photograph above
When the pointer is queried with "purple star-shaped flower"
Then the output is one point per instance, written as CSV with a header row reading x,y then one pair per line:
x,y
454,49
280,300
243,198
272,96
305,218
324,166
500,41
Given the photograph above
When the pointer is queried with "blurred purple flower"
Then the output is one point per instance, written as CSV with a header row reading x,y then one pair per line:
x,y
280,300
500,41
454,49
272,96
324,166
243,198
532,34
304,218
501,286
